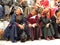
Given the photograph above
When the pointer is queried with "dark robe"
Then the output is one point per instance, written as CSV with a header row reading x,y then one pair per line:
x,y
13,32
35,32
55,26
47,31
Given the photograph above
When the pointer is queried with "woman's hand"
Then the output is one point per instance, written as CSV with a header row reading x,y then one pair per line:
x,y
47,25
29,25
21,27
34,25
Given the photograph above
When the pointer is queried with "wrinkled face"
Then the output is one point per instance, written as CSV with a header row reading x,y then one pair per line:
x,y
18,11
47,12
58,16
34,12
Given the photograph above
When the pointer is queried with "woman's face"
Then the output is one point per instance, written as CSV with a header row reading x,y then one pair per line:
x,y
58,14
34,12
47,12
18,11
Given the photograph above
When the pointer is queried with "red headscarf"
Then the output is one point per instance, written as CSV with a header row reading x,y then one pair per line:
x,y
51,12
44,3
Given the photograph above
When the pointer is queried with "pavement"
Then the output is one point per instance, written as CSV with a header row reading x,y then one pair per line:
x,y
36,42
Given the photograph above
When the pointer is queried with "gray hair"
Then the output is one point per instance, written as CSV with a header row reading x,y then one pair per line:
x,y
17,7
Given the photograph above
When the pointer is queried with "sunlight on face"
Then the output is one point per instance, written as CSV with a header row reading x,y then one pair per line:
x,y
34,12
58,14
18,11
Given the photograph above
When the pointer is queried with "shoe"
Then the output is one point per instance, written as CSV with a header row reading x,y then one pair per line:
x,y
53,38
47,38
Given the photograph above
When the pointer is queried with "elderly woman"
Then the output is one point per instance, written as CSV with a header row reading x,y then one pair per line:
x,y
58,20
16,27
33,24
55,22
48,30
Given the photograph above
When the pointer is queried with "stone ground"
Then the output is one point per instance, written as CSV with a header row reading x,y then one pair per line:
x,y
36,42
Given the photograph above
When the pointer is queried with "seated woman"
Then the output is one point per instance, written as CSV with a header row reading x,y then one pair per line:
x,y
48,31
33,24
16,27
55,26
55,22
58,19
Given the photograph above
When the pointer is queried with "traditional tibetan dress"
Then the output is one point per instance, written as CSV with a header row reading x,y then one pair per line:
x,y
13,32
47,31
34,30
